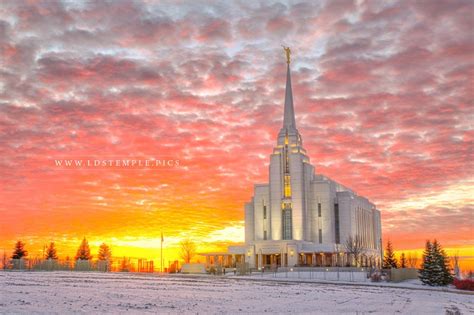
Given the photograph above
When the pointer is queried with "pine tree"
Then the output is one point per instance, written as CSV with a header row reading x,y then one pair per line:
x,y
19,251
435,267
426,271
51,252
403,261
443,274
437,275
104,252
83,252
389,260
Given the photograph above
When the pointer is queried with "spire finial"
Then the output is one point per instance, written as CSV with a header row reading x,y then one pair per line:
x,y
288,53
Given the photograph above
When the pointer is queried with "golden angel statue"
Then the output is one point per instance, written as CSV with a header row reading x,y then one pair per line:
x,y
287,52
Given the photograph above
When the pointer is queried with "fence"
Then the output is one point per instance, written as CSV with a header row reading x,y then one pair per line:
x,y
398,275
332,274
116,265
349,274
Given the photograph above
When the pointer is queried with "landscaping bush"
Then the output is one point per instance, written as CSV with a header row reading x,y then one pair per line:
x,y
376,277
466,284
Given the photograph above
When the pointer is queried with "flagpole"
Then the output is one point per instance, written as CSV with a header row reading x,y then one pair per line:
x,y
161,254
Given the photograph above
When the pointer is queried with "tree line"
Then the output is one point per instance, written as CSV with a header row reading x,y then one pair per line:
x,y
390,261
187,251
434,269
83,252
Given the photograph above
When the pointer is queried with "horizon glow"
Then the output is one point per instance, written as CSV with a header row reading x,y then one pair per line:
x,y
383,100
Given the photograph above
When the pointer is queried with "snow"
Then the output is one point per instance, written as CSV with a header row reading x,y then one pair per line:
x,y
68,292
348,278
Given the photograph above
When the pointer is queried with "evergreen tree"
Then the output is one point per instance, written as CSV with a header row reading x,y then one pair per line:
x,y
443,274
403,261
426,271
435,267
104,252
389,260
51,251
19,251
83,252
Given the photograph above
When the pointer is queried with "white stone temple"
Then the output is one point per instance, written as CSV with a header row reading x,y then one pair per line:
x,y
300,217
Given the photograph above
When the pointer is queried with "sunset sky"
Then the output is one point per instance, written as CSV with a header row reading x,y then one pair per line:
x,y
383,94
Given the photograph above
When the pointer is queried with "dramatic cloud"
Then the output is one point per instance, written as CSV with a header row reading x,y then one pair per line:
x,y
383,95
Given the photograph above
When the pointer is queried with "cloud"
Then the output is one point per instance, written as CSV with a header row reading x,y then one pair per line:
x,y
383,96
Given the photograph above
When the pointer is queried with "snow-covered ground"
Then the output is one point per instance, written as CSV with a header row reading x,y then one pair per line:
x,y
345,278
68,292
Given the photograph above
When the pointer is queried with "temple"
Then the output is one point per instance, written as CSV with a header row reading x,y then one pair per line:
x,y
300,217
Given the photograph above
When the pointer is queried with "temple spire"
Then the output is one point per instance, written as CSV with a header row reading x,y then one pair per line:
x,y
289,116
288,133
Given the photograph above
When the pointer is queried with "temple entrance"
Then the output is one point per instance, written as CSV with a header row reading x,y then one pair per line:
x,y
267,260
271,260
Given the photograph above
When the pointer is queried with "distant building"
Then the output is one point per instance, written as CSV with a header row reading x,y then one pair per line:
x,y
301,218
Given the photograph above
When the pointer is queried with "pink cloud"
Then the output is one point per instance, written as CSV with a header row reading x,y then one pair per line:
x,y
383,96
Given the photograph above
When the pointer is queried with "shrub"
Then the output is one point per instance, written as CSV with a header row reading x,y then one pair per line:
x,y
376,277
466,284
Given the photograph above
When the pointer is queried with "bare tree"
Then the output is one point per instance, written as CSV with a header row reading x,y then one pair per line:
x,y
403,261
412,260
354,247
125,265
187,250
4,260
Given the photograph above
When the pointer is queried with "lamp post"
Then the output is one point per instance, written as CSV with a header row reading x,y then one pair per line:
x,y
249,255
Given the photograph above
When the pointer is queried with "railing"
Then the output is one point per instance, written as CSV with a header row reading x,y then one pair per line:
x,y
349,274
116,265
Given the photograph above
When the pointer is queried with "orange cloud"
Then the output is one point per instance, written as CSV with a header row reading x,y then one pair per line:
x,y
382,108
